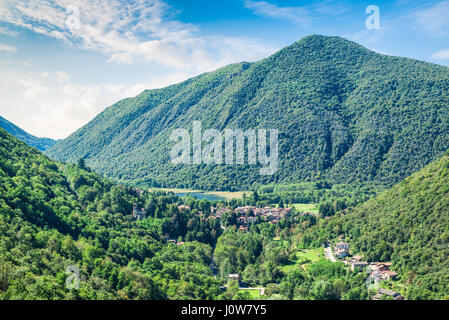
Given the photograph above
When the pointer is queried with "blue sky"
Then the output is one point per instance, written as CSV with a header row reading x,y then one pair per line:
x,y
64,61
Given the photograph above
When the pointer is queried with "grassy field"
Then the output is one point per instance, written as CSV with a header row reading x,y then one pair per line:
x,y
311,256
228,195
254,293
306,207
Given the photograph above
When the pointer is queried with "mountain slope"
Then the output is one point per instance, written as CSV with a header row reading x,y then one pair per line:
x,y
343,112
409,225
55,215
39,143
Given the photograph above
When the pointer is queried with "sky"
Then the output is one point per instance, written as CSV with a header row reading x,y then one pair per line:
x,y
64,61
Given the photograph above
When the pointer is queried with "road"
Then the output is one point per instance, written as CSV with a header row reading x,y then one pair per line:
x,y
329,255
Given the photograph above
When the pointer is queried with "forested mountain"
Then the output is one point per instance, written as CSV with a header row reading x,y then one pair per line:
x,y
39,143
408,224
344,113
53,216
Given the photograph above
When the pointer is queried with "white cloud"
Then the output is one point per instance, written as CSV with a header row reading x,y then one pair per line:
x,y
54,108
33,89
7,32
61,76
434,19
4,47
262,8
50,104
303,15
130,31
441,55
44,75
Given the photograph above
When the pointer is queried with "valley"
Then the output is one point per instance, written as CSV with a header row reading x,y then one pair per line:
x,y
358,208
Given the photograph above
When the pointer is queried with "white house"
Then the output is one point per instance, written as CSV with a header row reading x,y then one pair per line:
x,y
342,246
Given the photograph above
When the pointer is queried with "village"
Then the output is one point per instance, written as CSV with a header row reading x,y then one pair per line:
x,y
340,252
248,215
377,271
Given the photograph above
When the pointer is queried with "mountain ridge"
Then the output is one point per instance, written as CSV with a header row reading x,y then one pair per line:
x,y
344,113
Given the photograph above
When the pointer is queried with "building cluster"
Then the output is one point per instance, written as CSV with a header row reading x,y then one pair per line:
x,y
388,293
377,270
248,215
382,269
174,241
341,250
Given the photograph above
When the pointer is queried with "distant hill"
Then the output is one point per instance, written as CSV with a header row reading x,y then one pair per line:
x,y
344,113
409,225
39,143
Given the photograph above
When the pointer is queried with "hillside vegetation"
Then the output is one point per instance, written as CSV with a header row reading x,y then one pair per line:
x,y
408,224
39,143
344,113
53,216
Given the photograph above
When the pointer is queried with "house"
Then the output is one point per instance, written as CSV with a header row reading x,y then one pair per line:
x,y
382,269
221,211
383,266
357,265
353,259
234,276
243,229
388,274
243,210
380,266
390,293
342,246
251,219
341,253
241,219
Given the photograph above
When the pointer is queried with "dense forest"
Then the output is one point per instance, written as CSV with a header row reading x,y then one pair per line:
x,y
53,216
345,114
